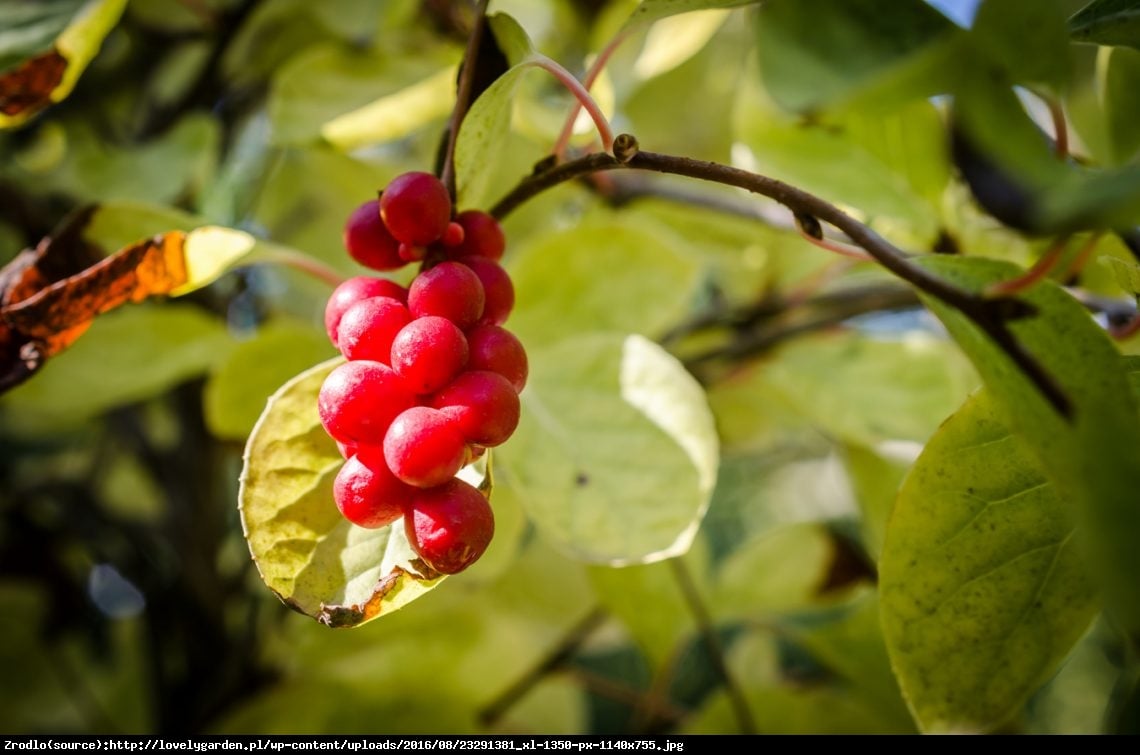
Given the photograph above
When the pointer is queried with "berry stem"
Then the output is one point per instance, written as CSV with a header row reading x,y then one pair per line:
x,y
580,93
1037,272
588,80
463,96
300,261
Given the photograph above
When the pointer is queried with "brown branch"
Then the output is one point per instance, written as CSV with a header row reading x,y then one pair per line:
x,y
463,96
989,314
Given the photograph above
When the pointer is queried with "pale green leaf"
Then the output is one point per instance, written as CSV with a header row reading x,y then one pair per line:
x,y
1108,22
237,389
867,390
615,456
1093,458
983,586
1118,70
876,475
561,290
1127,273
672,41
777,570
127,355
649,11
310,556
394,115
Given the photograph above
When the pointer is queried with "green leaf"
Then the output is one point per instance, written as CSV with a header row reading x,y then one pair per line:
x,y
813,53
1027,38
565,286
1127,273
1119,73
1108,22
1093,458
777,570
867,390
482,135
394,115
309,555
649,11
983,586
876,475
128,355
616,453
236,391
44,47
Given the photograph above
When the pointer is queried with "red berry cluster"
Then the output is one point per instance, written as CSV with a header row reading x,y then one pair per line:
x,y
432,378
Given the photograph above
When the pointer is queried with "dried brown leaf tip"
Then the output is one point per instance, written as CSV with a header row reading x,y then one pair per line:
x,y
28,87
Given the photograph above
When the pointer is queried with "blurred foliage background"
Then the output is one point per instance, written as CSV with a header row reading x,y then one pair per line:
x,y
130,603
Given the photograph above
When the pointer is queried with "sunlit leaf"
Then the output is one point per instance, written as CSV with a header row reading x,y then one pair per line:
x,y
616,454
307,553
44,47
983,586
649,11
1108,22
673,41
1127,273
1093,458
394,115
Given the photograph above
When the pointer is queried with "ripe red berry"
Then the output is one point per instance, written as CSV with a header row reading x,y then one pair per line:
x,y
482,236
498,291
424,448
370,496
353,290
498,350
428,353
484,406
369,326
449,526
448,290
453,236
368,240
416,208
359,400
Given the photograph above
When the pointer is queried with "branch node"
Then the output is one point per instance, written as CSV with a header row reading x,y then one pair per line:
x,y
625,147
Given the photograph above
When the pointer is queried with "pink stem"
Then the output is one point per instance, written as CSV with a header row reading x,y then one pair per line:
x,y
835,246
591,76
1034,274
580,93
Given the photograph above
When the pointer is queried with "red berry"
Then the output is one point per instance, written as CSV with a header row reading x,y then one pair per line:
x,y
449,526
359,400
370,496
483,405
367,329
428,352
453,236
416,208
498,291
368,241
482,236
498,350
448,290
353,290
424,448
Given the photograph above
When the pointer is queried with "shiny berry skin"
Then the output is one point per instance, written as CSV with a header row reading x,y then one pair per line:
x,y
370,496
450,290
449,526
483,405
490,347
498,291
369,326
424,448
368,240
482,236
416,208
428,353
353,290
358,401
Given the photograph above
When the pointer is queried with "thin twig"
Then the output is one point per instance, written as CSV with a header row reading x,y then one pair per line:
x,y
716,650
463,96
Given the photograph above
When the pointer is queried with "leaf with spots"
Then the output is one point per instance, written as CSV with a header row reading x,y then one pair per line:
x,y
983,588
44,47
311,557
